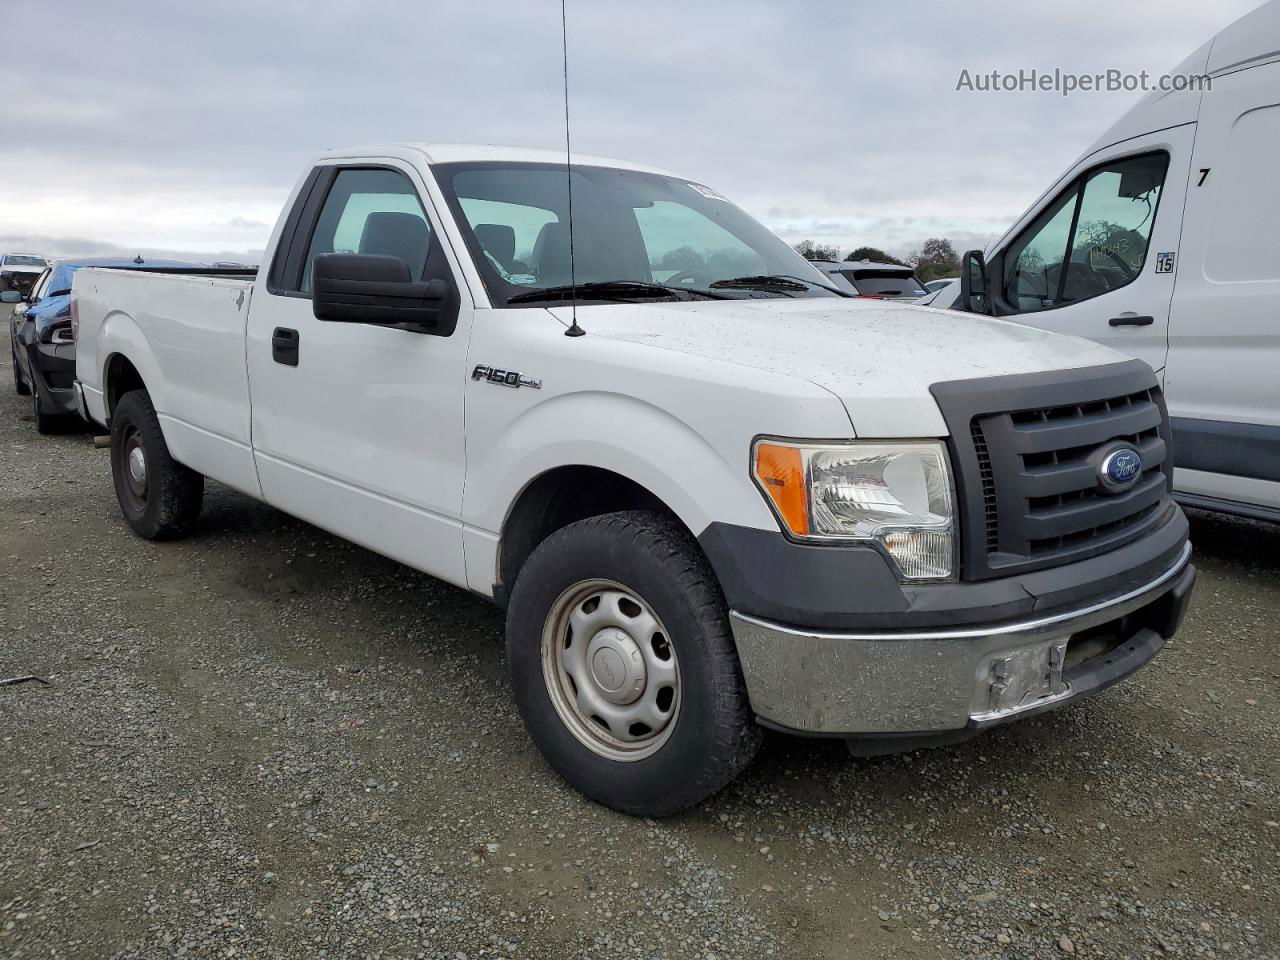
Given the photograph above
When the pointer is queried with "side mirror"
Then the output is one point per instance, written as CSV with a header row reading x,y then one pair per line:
x,y
367,288
973,283
10,296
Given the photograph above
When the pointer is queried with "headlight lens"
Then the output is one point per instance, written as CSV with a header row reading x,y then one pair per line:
x,y
897,494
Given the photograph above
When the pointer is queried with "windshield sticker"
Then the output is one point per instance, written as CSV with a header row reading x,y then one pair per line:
x,y
524,279
707,192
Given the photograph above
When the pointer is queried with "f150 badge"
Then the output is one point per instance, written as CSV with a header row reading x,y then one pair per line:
x,y
504,378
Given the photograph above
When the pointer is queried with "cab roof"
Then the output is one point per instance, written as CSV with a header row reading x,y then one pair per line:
x,y
484,153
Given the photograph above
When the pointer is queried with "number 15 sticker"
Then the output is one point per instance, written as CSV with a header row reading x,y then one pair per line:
x,y
1164,263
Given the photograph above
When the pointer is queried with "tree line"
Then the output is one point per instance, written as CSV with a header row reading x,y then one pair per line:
x,y
936,258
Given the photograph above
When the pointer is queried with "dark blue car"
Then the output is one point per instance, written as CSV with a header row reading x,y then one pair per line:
x,y
44,347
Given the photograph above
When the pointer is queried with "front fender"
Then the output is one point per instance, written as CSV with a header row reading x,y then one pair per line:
x,y
625,435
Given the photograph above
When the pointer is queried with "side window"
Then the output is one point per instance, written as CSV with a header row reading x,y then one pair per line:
x,y
41,285
1091,240
1034,261
1113,227
371,211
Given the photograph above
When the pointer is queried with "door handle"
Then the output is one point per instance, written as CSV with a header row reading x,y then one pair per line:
x,y
284,346
1131,320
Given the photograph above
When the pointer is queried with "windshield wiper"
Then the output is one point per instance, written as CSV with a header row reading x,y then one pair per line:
x,y
780,284
775,284
623,290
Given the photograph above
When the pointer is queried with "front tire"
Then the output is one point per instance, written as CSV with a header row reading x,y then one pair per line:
x,y
159,497
623,666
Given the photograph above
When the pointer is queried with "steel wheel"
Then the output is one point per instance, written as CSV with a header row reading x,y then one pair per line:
x,y
611,670
133,467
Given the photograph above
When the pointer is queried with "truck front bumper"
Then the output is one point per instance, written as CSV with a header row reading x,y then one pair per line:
x,y
897,689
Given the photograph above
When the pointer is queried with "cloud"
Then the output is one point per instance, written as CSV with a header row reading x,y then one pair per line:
x,y
59,247
184,126
244,223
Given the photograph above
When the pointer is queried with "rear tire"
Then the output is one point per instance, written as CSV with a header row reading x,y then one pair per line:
x,y
47,424
159,497
20,386
657,719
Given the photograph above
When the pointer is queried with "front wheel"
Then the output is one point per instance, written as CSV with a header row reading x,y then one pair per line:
x,y
623,665
159,497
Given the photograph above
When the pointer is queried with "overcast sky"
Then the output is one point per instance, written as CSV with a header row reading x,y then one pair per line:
x,y
181,127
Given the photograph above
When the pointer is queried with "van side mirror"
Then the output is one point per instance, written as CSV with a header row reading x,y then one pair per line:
x,y
973,283
375,289
10,296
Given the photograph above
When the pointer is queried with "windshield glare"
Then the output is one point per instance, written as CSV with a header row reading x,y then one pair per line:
x,y
628,226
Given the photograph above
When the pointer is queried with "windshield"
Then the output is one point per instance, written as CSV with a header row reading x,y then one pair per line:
x,y
679,238
22,260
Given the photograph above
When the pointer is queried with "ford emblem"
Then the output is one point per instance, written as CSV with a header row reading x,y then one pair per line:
x,y
1120,469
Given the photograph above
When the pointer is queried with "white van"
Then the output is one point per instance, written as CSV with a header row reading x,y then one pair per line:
x,y
1169,227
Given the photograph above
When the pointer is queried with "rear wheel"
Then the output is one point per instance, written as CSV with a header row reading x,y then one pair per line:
x,y
20,385
623,665
159,497
47,424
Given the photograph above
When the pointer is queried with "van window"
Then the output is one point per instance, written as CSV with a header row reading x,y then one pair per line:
x,y
1099,228
371,211
1242,242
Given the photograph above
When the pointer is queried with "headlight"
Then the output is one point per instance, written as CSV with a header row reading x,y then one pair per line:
x,y
895,493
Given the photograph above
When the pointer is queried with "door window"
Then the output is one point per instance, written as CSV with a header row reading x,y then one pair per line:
x,y
1091,240
372,212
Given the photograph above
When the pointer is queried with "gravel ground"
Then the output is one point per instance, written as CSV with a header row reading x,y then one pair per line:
x,y
262,741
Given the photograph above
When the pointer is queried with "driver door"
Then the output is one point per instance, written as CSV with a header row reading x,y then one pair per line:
x,y
1098,258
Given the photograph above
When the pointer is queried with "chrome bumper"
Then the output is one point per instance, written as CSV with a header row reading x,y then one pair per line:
x,y
936,681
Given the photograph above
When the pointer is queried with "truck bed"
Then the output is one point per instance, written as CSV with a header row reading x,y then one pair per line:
x,y
184,330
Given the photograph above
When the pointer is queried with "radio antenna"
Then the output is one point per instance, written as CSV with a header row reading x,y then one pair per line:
x,y
574,330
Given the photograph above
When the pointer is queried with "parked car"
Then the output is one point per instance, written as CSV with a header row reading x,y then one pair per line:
x,y
18,271
941,297
1160,242
933,286
733,499
865,278
40,336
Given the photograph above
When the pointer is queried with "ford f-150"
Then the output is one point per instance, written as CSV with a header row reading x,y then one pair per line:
x,y
712,492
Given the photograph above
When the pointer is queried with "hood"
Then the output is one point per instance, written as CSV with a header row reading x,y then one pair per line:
x,y
20,268
878,357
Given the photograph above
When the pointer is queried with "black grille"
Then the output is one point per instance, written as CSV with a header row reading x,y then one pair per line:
x,y
990,516
1028,474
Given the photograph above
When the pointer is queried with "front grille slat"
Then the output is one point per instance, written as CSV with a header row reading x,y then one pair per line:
x,y
1079,474
1029,449
1086,514
1051,435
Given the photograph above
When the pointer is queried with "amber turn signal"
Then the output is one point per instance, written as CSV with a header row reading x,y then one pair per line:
x,y
780,472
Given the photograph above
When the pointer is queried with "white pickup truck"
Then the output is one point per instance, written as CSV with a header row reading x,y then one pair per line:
x,y
712,492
